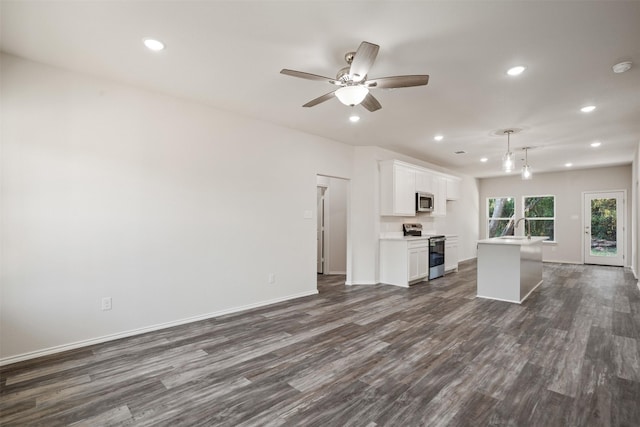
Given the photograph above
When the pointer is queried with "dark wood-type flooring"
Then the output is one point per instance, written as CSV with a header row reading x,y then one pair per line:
x,y
431,355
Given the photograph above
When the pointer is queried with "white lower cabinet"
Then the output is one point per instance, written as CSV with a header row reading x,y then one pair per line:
x,y
404,262
451,253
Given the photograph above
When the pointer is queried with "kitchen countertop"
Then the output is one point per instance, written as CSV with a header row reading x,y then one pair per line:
x,y
513,240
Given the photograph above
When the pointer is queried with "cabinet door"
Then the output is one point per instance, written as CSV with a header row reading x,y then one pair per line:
x,y
423,262
453,189
397,189
404,191
424,182
440,196
414,264
451,254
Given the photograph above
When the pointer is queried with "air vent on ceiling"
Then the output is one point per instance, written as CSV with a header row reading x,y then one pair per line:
x,y
460,152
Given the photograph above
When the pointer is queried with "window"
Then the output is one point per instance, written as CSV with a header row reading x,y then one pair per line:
x,y
500,216
540,212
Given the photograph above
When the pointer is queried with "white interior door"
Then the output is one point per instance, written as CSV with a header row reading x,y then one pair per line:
x,y
320,229
604,228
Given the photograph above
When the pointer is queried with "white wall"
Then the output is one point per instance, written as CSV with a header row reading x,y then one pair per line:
x,y
176,210
567,187
173,209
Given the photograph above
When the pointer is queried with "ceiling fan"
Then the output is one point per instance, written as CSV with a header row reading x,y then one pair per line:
x,y
352,79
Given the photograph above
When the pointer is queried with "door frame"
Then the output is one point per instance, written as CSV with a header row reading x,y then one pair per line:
x,y
322,216
349,260
624,222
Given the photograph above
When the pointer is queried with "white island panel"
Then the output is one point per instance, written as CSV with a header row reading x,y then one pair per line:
x,y
509,269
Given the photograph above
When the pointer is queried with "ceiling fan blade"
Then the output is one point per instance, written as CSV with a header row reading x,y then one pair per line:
x,y
307,76
371,103
398,81
363,60
320,99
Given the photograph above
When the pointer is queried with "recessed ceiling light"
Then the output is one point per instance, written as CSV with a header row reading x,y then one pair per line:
x,y
354,118
484,159
588,108
516,71
596,144
438,137
622,67
568,165
153,44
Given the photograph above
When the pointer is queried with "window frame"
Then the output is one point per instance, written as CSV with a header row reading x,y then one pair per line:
x,y
545,218
488,217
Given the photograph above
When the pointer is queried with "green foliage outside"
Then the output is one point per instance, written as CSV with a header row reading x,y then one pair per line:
x,y
539,211
604,227
603,219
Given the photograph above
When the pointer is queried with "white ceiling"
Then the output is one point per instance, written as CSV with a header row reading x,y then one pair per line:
x,y
229,55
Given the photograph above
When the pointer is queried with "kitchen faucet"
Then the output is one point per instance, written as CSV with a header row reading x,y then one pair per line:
x,y
528,226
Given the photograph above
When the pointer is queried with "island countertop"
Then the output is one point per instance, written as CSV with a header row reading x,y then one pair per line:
x,y
513,240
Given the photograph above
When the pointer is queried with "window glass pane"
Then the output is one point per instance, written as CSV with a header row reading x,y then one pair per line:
x,y
542,227
502,207
604,227
500,227
539,207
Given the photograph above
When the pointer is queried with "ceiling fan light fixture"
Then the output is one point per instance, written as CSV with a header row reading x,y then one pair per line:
x,y
352,95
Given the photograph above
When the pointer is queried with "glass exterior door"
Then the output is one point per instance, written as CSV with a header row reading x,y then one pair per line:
x,y
603,228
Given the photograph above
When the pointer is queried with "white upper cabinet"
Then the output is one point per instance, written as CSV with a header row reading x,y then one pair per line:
x,y
453,188
424,182
397,189
439,196
400,181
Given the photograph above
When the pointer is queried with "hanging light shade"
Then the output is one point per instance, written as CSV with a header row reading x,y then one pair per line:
x,y
352,95
507,160
526,169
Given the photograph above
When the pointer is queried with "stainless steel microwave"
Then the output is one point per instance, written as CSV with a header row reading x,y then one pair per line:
x,y
424,202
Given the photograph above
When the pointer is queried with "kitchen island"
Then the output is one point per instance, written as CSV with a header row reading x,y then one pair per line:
x,y
509,267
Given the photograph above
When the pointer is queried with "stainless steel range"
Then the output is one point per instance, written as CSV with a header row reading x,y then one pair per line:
x,y
436,256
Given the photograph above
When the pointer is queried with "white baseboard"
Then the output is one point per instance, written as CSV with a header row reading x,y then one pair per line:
x,y
337,272
84,343
561,262
365,282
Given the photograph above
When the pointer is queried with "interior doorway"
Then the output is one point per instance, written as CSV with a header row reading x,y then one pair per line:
x,y
604,227
332,197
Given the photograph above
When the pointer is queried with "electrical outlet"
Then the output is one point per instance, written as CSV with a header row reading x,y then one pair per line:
x,y
272,278
106,303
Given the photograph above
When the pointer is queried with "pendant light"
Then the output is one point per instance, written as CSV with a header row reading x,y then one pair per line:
x,y
507,160
526,170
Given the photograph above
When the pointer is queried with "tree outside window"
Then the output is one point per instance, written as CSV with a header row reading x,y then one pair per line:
x,y
541,214
501,211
